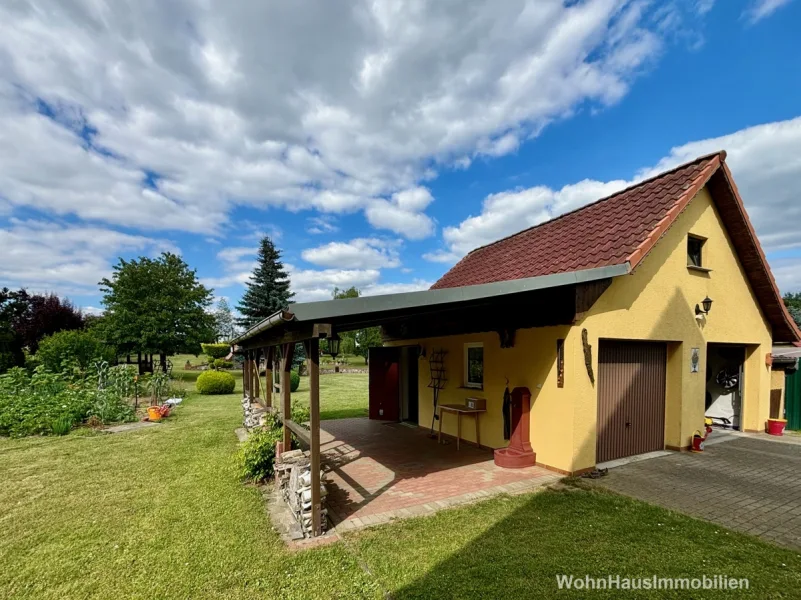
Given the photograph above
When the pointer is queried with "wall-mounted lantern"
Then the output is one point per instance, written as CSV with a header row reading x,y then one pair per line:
x,y
706,303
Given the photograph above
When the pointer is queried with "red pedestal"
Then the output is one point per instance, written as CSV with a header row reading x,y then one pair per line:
x,y
519,453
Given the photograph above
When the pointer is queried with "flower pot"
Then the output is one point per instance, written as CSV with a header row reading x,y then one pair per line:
x,y
776,426
154,413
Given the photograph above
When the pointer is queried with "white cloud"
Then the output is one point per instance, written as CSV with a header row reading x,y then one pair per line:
x,y
312,284
360,253
274,104
321,224
508,212
92,310
238,265
66,259
765,161
760,9
704,6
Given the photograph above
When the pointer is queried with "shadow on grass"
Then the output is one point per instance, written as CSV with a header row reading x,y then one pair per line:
x,y
516,547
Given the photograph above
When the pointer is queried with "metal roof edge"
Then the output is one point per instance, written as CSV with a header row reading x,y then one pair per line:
x,y
281,316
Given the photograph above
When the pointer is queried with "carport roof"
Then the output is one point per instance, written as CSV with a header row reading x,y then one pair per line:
x,y
368,311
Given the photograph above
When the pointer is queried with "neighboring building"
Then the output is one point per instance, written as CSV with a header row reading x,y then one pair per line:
x,y
599,313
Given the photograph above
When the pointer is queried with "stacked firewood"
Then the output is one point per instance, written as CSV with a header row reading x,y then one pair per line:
x,y
293,475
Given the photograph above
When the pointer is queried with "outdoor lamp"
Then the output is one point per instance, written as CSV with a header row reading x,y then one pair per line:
x,y
333,345
707,306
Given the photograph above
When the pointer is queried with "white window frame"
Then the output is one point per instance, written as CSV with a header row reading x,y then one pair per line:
x,y
466,370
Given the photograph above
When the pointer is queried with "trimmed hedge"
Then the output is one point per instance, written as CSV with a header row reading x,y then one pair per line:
x,y
215,382
221,363
215,350
294,381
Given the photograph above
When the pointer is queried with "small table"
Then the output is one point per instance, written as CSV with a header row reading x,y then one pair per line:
x,y
459,410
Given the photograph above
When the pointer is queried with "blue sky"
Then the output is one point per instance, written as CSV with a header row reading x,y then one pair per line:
x,y
376,143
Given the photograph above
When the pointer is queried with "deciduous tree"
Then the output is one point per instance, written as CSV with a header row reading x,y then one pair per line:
x,y
156,306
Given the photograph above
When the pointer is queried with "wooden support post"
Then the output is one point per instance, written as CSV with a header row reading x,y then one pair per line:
x,y
246,375
256,373
313,353
268,377
286,386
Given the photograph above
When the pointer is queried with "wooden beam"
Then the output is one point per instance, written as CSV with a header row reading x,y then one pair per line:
x,y
587,294
299,430
256,386
246,375
314,424
268,377
286,399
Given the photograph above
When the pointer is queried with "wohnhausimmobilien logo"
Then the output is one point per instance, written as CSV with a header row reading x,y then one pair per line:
x,y
619,582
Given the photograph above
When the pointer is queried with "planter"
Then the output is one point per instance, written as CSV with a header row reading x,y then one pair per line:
x,y
776,426
154,413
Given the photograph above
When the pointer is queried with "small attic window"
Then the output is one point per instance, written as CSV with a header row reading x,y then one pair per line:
x,y
695,251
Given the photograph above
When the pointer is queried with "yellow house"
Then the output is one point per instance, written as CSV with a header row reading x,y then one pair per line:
x,y
627,321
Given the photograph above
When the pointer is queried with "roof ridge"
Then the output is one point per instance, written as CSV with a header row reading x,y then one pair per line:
x,y
721,153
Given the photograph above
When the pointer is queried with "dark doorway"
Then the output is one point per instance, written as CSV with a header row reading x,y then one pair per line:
x,y
724,384
384,386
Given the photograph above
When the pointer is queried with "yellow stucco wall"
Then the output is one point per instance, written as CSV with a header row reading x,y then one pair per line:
x,y
777,382
656,302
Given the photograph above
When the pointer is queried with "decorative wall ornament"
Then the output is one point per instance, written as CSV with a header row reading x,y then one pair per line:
x,y
587,355
695,360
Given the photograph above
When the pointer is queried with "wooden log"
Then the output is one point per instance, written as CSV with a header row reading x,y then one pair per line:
x,y
256,386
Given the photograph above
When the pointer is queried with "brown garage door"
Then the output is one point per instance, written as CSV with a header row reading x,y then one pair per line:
x,y
631,399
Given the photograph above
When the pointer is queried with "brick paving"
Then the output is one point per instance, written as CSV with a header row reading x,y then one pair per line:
x,y
748,484
381,471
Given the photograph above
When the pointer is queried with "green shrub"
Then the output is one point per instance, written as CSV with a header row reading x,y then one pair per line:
x,y
215,382
257,455
73,347
221,363
215,350
294,381
61,426
300,414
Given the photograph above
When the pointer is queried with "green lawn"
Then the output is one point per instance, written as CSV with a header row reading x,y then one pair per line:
x,y
342,395
160,513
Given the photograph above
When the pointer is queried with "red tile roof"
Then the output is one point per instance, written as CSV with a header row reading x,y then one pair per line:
x,y
623,228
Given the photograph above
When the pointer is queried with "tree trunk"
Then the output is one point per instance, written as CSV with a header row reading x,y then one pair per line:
x,y
163,357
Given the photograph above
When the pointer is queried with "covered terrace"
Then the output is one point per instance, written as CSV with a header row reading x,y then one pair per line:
x,y
378,468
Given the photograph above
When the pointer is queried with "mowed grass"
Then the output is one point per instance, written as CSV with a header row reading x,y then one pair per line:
x,y
342,395
161,513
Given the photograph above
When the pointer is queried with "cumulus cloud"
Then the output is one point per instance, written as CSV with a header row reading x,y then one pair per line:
x,y
63,258
760,9
360,253
165,115
765,161
238,263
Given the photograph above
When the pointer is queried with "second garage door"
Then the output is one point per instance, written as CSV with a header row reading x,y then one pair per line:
x,y
631,399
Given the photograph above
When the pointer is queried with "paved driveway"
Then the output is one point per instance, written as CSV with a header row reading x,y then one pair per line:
x,y
751,485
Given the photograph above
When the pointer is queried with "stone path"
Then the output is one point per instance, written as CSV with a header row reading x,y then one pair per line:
x,y
748,484
130,427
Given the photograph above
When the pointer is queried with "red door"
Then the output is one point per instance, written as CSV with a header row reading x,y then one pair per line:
x,y
384,384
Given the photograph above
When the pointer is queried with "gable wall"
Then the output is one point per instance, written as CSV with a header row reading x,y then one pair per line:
x,y
656,302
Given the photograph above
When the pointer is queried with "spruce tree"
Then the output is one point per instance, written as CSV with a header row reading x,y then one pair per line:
x,y
268,289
